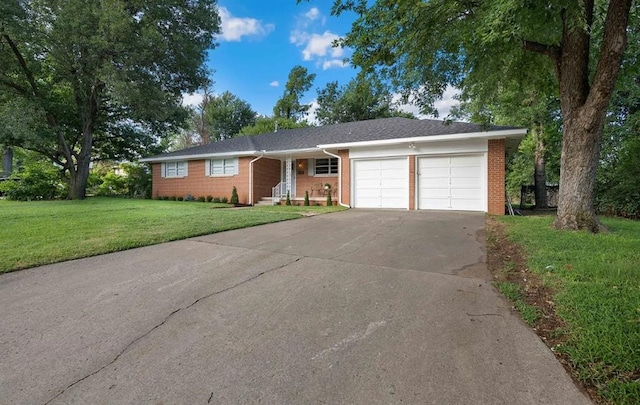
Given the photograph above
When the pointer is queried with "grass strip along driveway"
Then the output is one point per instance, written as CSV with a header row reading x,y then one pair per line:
x,y
43,232
594,282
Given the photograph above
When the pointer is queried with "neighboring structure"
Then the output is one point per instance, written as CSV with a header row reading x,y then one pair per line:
x,y
7,163
383,163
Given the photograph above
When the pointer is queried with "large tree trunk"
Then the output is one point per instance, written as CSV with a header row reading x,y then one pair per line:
x,y
540,170
584,104
78,179
580,153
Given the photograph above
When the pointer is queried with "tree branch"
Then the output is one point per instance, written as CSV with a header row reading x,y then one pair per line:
x,y
612,49
548,50
7,82
23,65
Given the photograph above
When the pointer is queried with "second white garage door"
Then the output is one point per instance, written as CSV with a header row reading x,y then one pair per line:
x,y
451,183
381,183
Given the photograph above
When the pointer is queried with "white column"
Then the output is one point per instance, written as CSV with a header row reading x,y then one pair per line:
x,y
288,174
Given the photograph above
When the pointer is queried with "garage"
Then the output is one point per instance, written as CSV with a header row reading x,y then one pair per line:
x,y
381,183
451,183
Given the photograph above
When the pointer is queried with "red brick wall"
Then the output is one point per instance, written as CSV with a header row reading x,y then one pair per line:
x,y
199,185
412,182
266,174
496,176
346,176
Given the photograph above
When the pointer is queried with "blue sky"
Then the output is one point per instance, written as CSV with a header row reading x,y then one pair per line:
x,y
262,40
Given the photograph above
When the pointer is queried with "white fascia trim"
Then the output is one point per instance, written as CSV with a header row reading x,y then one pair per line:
x,y
291,151
199,157
433,138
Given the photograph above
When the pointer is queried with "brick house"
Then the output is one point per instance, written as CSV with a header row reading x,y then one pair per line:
x,y
382,163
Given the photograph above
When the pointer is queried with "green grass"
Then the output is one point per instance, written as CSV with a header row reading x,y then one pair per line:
x,y
597,283
513,292
43,232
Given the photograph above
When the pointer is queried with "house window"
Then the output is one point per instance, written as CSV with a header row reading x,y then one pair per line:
x,y
326,166
175,169
222,167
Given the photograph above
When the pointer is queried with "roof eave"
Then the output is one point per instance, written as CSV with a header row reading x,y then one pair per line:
x,y
509,133
199,156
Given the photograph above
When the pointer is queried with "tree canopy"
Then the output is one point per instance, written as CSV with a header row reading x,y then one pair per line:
x,y
361,99
422,47
289,105
226,115
264,125
88,80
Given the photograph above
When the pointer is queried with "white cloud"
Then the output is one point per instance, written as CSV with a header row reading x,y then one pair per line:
x,y
311,116
320,45
443,105
328,64
274,83
192,100
313,14
234,28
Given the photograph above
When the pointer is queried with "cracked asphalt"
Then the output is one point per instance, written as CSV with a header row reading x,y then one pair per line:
x,y
358,306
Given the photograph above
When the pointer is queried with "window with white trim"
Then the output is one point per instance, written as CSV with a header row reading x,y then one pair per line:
x,y
175,169
222,167
326,166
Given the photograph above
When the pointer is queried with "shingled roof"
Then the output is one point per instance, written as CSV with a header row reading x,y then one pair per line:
x,y
350,132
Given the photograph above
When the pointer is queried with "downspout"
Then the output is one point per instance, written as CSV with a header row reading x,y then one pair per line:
x,y
339,177
251,177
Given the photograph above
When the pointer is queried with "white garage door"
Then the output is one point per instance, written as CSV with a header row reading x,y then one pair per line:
x,y
381,183
451,183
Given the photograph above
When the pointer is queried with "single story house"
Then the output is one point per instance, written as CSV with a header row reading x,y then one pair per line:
x,y
381,163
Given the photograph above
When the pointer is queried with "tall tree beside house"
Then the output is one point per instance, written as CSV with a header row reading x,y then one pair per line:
x,y
422,47
361,99
88,80
289,105
226,115
533,105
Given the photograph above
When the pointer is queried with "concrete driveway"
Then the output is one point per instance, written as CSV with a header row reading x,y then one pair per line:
x,y
352,307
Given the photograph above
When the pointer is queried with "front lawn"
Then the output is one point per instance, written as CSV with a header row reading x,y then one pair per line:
x,y
42,232
595,281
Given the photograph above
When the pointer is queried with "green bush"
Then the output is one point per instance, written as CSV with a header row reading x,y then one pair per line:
x,y
224,200
216,199
189,197
134,182
209,198
200,199
180,198
288,199
35,179
172,198
306,198
234,196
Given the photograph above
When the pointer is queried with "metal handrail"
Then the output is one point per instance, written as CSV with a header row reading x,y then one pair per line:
x,y
277,192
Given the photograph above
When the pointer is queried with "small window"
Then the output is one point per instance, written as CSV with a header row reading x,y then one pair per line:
x,y
175,169
326,166
222,167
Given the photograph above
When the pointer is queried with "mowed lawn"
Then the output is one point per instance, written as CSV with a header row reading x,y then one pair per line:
x,y
596,279
43,232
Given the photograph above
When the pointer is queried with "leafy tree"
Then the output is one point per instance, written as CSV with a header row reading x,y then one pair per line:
x,y
298,83
264,125
361,99
226,115
88,80
533,105
422,47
